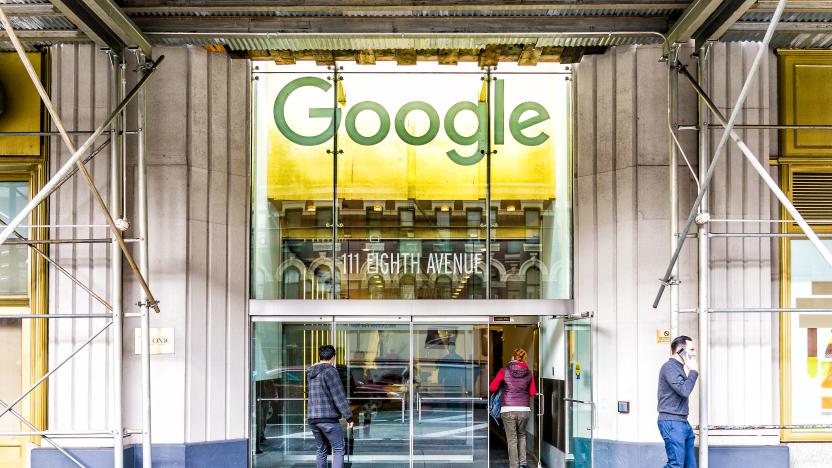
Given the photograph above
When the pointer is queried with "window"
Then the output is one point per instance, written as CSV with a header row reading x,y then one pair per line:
x,y
14,268
407,287
443,287
532,225
376,287
533,283
294,218
23,274
473,220
404,195
291,283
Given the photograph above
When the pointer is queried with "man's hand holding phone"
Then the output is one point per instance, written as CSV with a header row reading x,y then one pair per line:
x,y
690,363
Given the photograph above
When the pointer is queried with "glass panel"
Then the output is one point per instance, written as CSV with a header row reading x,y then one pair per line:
x,y
809,337
580,407
293,184
450,365
412,183
375,360
11,372
14,267
281,353
530,183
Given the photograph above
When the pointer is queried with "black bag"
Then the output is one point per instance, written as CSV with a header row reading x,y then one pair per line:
x,y
349,447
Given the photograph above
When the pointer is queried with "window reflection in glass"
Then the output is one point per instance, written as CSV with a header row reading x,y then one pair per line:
x,y
406,211
14,267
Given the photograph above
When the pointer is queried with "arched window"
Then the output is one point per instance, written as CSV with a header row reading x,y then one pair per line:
x,y
376,286
443,287
498,288
291,283
407,287
533,283
476,287
323,282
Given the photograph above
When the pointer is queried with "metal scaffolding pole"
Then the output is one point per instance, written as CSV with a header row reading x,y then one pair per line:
x,y
144,265
118,108
706,181
38,432
673,165
772,185
704,274
116,181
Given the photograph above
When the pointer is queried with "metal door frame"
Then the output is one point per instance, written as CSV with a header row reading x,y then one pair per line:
x,y
589,316
482,312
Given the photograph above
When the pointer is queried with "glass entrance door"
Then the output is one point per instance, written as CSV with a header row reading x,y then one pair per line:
x,y
450,391
580,406
418,390
281,353
374,358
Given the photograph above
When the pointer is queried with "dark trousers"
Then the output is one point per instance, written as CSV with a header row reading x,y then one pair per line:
x,y
515,423
328,435
678,443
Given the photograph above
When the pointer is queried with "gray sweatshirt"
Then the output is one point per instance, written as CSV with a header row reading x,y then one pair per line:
x,y
674,389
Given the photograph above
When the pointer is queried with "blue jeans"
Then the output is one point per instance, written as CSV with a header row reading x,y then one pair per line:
x,y
678,443
328,435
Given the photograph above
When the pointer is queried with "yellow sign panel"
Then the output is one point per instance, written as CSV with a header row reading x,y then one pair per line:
x,y
415,135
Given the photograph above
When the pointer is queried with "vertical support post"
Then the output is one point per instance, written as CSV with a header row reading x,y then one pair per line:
x,y
488,221
116,172
703,271
672,105
144,265
336,82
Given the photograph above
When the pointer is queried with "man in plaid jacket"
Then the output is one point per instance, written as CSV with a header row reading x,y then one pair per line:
x,y
327,404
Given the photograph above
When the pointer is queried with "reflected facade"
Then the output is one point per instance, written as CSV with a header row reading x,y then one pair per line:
x,y
382,187
417,393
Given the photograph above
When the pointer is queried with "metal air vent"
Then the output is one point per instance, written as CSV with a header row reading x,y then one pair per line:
x,y
812,194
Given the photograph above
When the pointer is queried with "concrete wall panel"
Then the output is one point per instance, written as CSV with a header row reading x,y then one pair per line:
x,y
622,241
197,138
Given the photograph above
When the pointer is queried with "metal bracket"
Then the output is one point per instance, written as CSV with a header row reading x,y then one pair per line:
x,y
670,282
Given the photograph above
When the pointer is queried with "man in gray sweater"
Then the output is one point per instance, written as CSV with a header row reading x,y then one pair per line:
x,y
676,381
326,405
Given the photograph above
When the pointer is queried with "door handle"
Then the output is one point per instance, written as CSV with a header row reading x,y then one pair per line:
x,y
541,404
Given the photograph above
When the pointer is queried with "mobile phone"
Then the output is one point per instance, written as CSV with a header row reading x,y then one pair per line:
x,y
682,353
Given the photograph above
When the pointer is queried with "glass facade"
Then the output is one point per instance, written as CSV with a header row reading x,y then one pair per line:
x,y
809,339
417,392
382,186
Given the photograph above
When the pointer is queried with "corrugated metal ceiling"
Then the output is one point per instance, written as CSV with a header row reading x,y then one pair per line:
x,y
792,35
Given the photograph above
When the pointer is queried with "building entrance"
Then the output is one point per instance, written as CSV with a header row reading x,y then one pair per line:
x,y
417,387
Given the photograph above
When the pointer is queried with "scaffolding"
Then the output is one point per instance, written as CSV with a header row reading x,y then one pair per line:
x,y
117,132
115,125
700,215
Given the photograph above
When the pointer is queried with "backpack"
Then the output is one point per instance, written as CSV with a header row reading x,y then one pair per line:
x,y
494,405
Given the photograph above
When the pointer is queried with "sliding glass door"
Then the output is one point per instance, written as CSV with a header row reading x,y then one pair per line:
x,y
418,392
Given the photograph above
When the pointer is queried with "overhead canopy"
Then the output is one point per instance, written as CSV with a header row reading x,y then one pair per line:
x,y
369,30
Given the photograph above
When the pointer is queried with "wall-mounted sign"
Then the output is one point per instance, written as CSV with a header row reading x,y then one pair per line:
x,y
161,341
422,131
662,336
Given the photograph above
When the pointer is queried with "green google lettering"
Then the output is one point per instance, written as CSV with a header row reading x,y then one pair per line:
x,y
517,124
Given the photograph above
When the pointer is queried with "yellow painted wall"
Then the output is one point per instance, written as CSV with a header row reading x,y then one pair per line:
x,y
22,109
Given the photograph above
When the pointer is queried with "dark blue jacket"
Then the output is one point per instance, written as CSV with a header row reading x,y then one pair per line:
x,y
327,401
674,390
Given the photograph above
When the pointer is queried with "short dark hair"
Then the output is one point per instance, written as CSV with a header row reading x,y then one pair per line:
x,y
326,352
680,340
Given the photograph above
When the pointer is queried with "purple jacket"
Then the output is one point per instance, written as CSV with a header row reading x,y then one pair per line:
x,y
518,384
